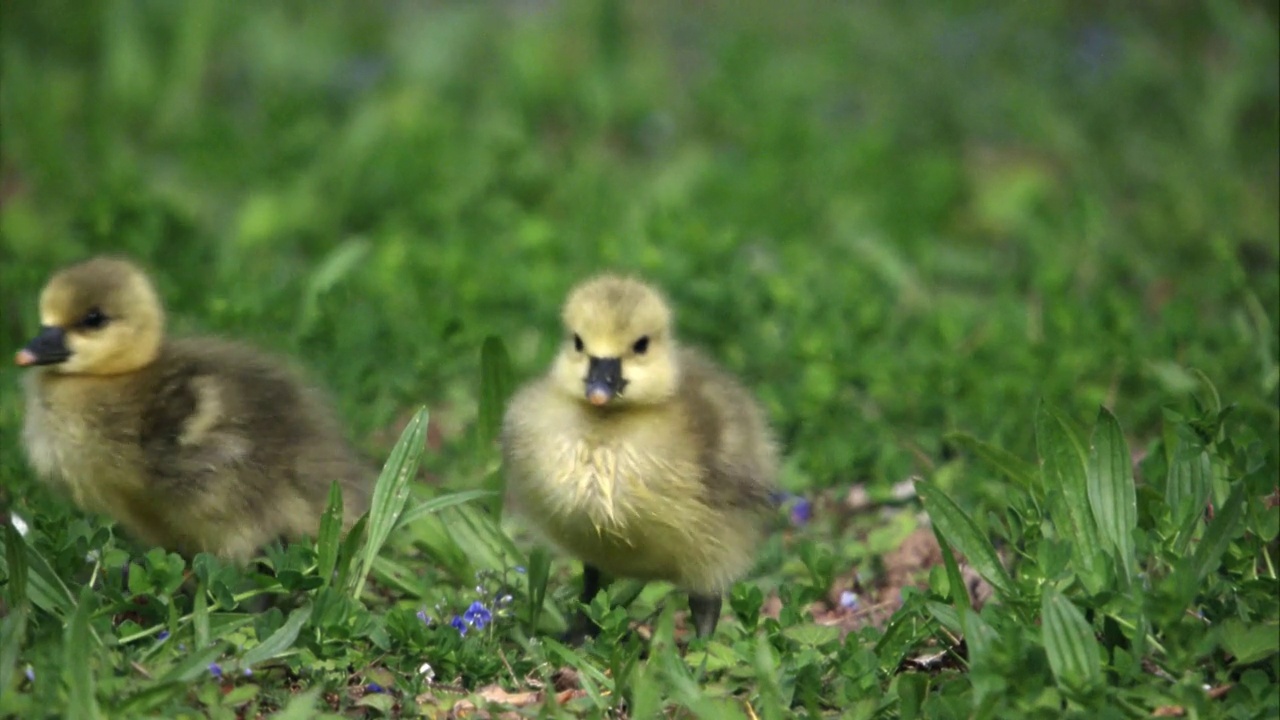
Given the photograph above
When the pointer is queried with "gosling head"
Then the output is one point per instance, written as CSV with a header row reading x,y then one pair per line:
x,y
98,317
618,347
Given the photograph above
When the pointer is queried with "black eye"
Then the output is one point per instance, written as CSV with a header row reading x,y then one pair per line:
x,y
577,342
641,345
93,320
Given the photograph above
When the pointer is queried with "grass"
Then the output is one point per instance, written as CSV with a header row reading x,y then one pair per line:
x,y
1006,279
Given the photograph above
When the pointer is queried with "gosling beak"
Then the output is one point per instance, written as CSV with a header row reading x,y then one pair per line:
x,y
48,347
604,380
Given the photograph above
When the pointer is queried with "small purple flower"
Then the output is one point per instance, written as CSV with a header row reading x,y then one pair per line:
x,y
374,688
478,615
520,570
459,624
215,670
424,617
801,512
163,635
30,673
849,600
248,672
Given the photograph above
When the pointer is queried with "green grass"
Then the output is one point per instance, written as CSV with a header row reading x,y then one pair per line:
x,y
934,240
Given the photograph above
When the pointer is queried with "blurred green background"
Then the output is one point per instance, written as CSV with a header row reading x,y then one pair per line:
x,y
893,220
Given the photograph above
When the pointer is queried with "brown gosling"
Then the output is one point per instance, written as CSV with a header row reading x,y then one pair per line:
x,y
194,445
639,456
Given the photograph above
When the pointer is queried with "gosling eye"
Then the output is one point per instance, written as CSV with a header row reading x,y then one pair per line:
x,y
577,342
95,319
641,345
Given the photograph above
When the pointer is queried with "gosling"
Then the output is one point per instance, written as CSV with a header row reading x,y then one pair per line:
x,y
639,456
194,445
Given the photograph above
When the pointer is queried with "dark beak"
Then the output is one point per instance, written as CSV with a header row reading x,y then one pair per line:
x,y
604,380
48,347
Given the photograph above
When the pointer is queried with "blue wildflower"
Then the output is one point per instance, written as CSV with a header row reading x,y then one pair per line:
x,y
248,672
30,673
215,670
459,624
520,570
424,617
849,600
478,615
374,688
801,512
163,635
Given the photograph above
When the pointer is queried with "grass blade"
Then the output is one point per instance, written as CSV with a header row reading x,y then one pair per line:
x,y
959,592
437,504
689,692
1012,466
480,535
946,615
1111,491
347,551
398,577
591,678
435,535
1219,534
13,630
301,706
1187,488
646,693
200,614
82,702
768,677
960,529
1069,643
193,665
16,568
144,702
1065,460
495,388
43,587
330,535
980,639
912,689
332,269
391,492
538,572
280,640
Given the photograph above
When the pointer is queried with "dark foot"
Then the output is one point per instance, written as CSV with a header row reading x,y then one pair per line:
x,y
582,627
259,604
706,613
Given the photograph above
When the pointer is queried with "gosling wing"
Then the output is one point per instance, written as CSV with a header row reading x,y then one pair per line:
x,y
189,434
737,448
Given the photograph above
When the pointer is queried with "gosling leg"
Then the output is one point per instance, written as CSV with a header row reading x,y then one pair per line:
x,y
706,613
582,626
